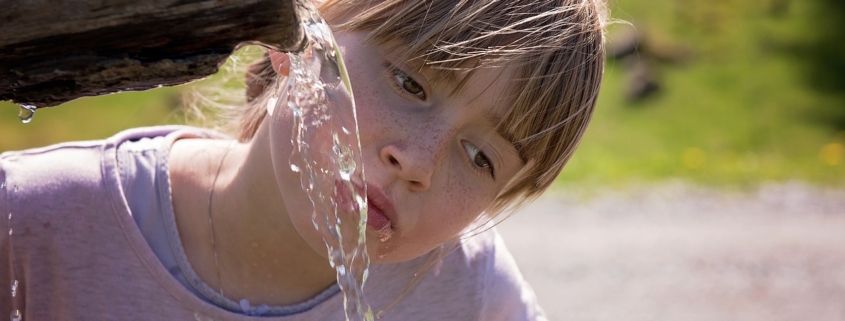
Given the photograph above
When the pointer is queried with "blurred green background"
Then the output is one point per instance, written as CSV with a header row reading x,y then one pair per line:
x,y
750,91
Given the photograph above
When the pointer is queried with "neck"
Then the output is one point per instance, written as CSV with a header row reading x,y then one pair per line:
x,y
260,255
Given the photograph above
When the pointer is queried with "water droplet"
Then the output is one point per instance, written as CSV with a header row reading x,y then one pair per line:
x,y
345,162
14,288
10,231
16,315
271,105
295,109
25,113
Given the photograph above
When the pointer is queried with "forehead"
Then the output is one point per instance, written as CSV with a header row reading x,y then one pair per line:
x,y
488,86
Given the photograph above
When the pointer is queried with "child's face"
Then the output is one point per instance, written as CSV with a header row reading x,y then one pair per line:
x,y
433,161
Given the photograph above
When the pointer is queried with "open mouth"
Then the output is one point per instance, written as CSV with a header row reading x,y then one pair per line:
x,y
378,221
380,210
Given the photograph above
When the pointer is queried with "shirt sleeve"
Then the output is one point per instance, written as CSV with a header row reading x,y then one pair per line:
x,y
507,297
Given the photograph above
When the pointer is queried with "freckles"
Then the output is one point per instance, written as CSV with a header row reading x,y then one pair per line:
x,y
462,200
428,141
429,138
369,114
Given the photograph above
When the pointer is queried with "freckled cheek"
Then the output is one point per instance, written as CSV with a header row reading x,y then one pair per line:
x,y
453,209
369,91
375,115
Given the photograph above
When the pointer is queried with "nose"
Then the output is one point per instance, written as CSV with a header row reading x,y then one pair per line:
x,y
411,164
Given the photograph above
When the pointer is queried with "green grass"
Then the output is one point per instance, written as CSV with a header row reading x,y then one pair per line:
x,y
738,112
88,118
753,101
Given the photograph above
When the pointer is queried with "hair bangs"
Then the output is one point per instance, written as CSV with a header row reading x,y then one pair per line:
x,y
555,47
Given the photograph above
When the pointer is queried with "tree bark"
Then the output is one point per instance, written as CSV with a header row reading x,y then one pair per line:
x,y
53,51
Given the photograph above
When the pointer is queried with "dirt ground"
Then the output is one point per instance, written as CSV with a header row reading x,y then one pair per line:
x,y
678,252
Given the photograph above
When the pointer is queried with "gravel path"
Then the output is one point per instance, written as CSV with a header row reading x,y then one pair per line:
x,y
678,252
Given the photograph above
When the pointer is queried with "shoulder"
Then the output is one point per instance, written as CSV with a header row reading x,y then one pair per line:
x,y
68,177
46,169
479,280
71,226
506,294
146,151
486,255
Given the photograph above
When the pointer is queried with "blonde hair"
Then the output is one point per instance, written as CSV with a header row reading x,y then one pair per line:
x,y
556,47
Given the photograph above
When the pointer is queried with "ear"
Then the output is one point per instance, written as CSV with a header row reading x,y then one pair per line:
x,y
280,62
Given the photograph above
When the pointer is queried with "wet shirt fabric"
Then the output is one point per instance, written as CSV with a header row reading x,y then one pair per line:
x,y
77,252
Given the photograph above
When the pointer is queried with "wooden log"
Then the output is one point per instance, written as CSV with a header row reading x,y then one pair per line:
x,y
58,50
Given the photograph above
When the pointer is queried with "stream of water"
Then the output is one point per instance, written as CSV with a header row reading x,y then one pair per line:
x,y
327,154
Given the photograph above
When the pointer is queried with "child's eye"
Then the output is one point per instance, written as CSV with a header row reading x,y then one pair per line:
x,y
479,159
408,84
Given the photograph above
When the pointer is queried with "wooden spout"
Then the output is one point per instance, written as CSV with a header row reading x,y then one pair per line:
x,y
55,51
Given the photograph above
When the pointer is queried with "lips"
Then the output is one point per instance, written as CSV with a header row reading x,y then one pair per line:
x,y
376,218
380,211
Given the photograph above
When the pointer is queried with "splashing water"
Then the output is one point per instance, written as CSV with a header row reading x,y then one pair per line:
x,y
16,314
26,112
327,154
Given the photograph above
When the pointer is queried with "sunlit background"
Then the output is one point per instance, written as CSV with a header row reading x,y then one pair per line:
x,y
746,91
708,187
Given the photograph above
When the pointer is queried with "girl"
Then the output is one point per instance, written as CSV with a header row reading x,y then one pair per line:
x,y
465,108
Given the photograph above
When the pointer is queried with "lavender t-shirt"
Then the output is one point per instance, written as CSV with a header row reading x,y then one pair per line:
x,y
77,252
